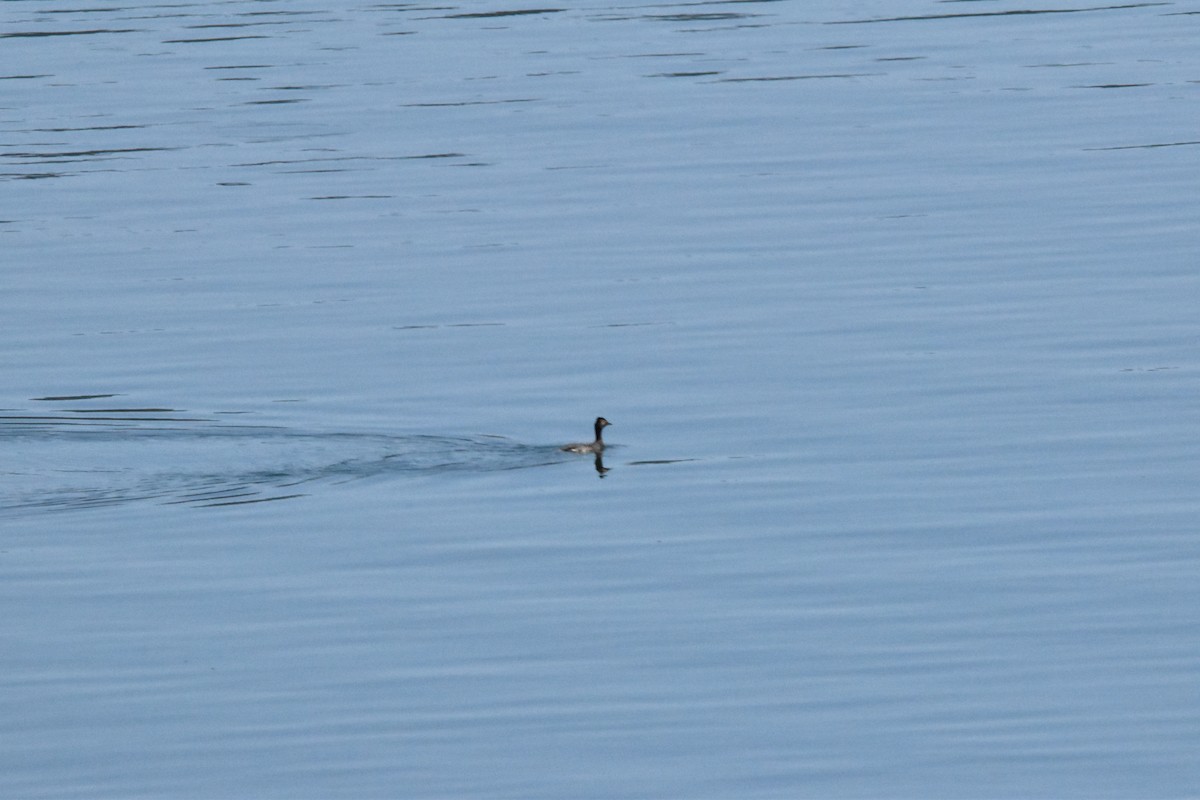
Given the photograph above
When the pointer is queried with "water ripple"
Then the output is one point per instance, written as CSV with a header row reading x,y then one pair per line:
x,y
122,455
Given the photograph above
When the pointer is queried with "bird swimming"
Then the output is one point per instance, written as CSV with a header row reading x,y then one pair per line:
x,y
589,447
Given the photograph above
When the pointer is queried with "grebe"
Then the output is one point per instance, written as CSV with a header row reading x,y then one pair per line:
x,y
590,447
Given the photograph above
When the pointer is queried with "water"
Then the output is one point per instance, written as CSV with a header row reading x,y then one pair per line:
x,y
892,310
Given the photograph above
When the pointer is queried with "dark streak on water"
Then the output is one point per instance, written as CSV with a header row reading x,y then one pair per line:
x,y
1007,13
36,34
1144,146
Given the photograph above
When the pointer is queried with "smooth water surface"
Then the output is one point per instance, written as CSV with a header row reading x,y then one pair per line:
x,y
892,307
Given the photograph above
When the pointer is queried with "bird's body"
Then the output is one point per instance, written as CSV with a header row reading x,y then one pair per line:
x,y
590,447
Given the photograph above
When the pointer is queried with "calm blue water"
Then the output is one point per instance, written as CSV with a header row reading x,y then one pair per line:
x,y
892,307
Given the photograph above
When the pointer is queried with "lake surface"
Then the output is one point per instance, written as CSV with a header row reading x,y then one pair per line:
x,y
893,308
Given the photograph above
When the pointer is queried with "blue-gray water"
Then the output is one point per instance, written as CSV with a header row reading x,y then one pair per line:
x,y
893,308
